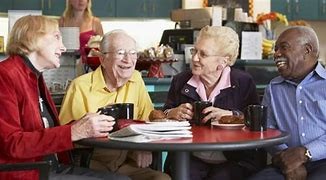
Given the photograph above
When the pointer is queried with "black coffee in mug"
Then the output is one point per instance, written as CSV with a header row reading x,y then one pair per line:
x,y
198,107
256,117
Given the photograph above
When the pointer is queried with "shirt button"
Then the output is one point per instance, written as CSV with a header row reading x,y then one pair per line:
x,y
301,118
300,87
303,134
300,102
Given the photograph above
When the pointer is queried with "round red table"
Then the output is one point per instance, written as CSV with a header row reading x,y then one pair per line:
x,y
205,138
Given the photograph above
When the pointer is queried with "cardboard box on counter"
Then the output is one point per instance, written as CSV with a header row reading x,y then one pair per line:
x,y
197,18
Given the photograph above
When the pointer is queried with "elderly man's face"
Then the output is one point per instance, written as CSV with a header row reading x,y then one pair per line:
x,y
121,57
205,58
290,56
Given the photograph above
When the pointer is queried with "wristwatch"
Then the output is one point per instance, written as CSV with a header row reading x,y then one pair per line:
x,y
308,154
236,113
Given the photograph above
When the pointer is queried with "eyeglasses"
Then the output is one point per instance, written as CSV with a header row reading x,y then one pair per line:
x,y
201,54
121,53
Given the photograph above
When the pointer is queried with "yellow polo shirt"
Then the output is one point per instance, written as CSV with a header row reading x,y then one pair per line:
x,y
88,92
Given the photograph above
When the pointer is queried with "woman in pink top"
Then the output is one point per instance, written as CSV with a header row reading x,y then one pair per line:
x,y
78,13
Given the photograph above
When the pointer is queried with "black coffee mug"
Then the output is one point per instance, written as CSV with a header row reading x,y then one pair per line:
x,y
198,107
126,110
111,110
256,117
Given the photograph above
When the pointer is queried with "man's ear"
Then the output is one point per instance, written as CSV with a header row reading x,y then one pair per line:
x,y
308,48
102,58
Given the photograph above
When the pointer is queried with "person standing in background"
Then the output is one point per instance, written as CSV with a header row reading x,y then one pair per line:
x,y
78,13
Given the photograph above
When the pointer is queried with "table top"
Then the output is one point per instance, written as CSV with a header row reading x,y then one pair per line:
x,y
205,138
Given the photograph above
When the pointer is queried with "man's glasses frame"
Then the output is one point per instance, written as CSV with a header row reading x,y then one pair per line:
x,y
121,53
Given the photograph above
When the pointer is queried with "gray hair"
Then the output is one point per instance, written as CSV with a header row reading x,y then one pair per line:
x,y
225,38
306,35
107,39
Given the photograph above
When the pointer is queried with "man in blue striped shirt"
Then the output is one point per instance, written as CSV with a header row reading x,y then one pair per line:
x,y
296,102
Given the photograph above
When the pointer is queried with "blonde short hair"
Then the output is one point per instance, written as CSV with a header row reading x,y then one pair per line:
x,y
26,33
225,38
68,12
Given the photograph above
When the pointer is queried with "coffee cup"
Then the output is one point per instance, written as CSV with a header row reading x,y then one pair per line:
x,y
198,107
126,110
256,117
110,110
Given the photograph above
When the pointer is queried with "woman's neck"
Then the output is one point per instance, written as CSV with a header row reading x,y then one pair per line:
x,y
78,19
78,14
210,82
34,61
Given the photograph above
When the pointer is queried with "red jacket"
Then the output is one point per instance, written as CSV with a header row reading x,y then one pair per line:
x,y
22,135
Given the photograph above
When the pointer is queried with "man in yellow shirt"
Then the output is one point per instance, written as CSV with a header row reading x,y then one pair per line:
x,y
115,81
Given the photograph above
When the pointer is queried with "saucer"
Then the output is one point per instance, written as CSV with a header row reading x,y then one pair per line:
x,y
227,126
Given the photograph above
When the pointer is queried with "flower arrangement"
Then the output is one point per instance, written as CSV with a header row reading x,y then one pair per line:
x,y
270,21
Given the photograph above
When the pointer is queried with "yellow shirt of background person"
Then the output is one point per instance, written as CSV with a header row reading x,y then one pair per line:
x,y
88,92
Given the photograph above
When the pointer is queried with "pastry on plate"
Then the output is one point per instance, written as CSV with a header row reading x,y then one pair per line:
x,y
231,120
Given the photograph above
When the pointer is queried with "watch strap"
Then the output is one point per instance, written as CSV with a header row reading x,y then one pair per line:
x,y
308,154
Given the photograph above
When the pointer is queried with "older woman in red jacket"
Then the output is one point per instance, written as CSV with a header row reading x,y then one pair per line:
x,y
29,128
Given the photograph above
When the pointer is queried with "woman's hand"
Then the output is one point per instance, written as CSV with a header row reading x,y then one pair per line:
x,y
92,125
182,112
215,113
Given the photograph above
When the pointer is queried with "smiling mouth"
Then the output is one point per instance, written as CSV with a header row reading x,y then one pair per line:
x,y
124,67
280,62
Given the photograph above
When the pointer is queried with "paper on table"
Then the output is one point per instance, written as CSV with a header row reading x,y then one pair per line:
x,y
137,138
154,131
251,45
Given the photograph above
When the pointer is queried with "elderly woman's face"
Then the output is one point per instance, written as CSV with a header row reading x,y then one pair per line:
x,y
50,50
120,59
205,58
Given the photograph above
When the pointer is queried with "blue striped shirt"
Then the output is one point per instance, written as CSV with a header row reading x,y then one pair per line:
x,y
299,109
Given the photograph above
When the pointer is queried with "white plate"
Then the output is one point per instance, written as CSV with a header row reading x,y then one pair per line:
x,y
227,126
